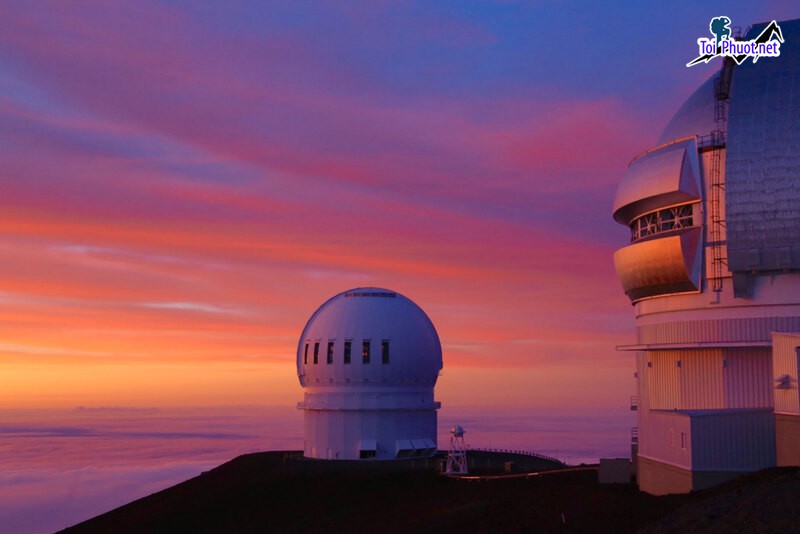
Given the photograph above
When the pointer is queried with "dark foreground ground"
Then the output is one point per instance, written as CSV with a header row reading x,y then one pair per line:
x,y
271,492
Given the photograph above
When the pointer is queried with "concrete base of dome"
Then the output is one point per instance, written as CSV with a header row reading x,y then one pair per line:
x,y
369,435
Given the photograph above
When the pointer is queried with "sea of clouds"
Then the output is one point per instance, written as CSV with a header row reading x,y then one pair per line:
x,y
60,467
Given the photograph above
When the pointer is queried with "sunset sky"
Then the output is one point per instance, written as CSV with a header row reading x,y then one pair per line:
x,y
182,184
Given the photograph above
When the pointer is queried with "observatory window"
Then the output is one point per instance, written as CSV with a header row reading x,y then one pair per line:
x,y
305,354
660,221
365,351
330,352
316,353
385,351
348,348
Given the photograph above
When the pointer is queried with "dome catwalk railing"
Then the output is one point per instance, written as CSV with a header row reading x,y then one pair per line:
x,y
521,453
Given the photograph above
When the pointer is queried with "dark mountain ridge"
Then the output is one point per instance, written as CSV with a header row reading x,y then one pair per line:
x,y
281,492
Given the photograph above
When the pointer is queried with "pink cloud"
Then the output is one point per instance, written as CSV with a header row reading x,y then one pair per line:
x,y
273,117
194,197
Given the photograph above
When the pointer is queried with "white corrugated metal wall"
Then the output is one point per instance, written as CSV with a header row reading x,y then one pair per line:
x,y
734,329
785,362
664,380
686,379
668,439
733,441
643,391
701,380
748,380
708,379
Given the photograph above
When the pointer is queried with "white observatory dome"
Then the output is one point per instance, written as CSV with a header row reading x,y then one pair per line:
x,y
718,198
390,341
712,268
368,359
695,116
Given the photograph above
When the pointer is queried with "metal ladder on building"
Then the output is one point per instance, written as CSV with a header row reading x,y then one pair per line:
x,y
719,261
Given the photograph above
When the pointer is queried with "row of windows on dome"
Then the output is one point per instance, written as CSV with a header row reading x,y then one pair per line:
x,y
366,351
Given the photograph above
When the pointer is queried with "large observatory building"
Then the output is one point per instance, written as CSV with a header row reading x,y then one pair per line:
x,y
713,273
368,360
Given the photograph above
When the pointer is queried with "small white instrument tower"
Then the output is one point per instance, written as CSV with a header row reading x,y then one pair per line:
x,y
457,458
